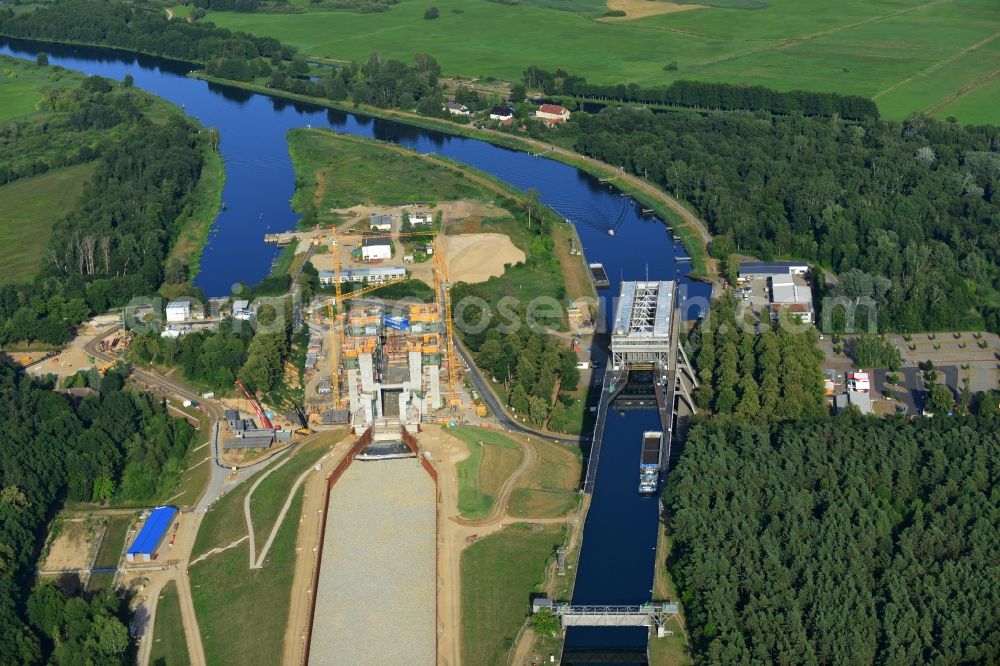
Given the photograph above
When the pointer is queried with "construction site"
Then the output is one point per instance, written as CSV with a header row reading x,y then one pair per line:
x,y
380,362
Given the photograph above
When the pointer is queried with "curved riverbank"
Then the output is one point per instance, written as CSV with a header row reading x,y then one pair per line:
x,y
691,230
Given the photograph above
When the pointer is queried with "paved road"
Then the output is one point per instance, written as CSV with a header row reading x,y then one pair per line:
x,y
486,391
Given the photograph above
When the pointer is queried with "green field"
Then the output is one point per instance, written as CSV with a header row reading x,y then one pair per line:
x,y
550,488
492,459
169,643
499,574
112,547
875,48
270,495
242,613
21,85
30,207
339,171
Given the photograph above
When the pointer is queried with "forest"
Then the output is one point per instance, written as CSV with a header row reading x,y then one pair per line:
x,y
125,26
916,202
775,375
113,245
532,367
706,95
844,541
113,444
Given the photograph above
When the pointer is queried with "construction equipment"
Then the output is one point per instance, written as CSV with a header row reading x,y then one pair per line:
x,y
264,421
106,366
443,288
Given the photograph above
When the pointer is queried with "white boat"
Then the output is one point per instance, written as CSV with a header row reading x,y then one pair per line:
x,y
611,232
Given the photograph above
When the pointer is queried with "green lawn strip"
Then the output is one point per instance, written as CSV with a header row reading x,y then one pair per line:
x,y
361,171
492,459
31,206
499,574
169,643
198,219
670,650
271,494
242,613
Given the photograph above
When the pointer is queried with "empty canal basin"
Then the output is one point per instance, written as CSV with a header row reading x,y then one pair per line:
x,y
375,603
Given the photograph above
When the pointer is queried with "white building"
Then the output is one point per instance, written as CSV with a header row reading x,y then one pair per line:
x,y
376,249
241,310
178,311
456,109
501,113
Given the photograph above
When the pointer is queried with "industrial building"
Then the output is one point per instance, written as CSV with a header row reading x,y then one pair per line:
x,y
763,270
642,326
246,435
376,249
143,548
376,275
791,294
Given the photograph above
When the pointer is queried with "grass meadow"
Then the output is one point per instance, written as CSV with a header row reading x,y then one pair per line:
x,y
242,613
499,574
31,206
891,50
492,459
21,84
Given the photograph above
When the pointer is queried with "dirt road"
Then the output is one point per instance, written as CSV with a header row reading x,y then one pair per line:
x,y
307,542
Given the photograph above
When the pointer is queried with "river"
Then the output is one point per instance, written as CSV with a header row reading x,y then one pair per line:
x,y
616,562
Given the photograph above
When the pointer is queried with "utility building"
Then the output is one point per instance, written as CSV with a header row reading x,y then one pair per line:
x,y
641,331
143,549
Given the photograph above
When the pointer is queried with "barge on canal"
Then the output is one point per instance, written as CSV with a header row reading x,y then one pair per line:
x,y
650,462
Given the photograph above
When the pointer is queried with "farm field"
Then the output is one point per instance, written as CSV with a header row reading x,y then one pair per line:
x,y
30,207
910,55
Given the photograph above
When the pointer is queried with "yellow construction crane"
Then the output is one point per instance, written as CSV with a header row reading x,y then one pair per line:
x,y
443,288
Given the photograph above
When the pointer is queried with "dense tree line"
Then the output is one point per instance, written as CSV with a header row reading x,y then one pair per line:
x,y
113,245
207,358
538,372
386,83
773,375
216,359
706,95
847,541
126,26
915,202
112,444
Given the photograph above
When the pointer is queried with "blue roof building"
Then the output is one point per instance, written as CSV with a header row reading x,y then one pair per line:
x,y
144,546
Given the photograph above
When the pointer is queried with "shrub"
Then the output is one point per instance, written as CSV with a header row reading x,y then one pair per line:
x,y
431,13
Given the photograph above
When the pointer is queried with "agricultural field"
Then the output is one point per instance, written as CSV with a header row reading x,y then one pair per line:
x,y
31,206
909,55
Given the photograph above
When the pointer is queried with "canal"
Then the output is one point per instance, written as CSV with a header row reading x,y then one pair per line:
x,y
616,562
